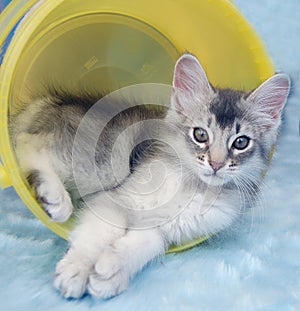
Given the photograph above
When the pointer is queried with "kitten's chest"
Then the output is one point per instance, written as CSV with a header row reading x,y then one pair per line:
x,y
204,214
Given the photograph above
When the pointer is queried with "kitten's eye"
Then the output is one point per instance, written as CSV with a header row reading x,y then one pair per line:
x,y
241,143
200,135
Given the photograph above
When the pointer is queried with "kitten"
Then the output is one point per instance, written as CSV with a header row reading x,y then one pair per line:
x,y
177,173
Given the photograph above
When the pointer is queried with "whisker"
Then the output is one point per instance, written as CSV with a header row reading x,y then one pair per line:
x,y
251,196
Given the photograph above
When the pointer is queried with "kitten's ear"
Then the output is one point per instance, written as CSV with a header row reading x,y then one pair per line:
x,y
270,97
189,76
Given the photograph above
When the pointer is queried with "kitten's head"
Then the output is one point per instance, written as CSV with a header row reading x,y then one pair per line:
x,y
228,134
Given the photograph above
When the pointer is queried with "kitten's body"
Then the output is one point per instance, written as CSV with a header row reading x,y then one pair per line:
x,y
203,162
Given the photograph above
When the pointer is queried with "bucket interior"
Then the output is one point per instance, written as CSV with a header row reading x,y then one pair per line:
x,y
98,51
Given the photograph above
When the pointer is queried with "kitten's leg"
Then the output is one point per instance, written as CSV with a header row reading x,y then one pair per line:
x,y
87,242
118,263
51,194
35,163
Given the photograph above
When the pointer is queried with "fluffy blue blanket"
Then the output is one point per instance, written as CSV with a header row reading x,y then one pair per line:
x,y
253,266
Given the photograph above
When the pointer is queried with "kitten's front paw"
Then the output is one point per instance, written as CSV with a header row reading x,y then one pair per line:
x,y
55,201
71,277
109,278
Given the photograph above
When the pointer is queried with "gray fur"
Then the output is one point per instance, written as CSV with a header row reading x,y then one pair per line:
x,y
58,116
225,108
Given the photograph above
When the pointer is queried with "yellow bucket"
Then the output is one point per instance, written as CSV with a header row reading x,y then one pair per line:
x,y
109,44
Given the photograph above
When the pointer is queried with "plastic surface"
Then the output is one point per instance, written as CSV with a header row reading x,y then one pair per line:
x,y
114,43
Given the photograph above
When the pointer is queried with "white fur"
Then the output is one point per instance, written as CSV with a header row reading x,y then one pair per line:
x,y
176,217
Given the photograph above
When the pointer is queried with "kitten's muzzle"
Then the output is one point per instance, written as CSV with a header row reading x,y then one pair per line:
x,y
216,165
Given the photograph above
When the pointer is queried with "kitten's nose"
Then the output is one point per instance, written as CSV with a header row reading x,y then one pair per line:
x,y
216,165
